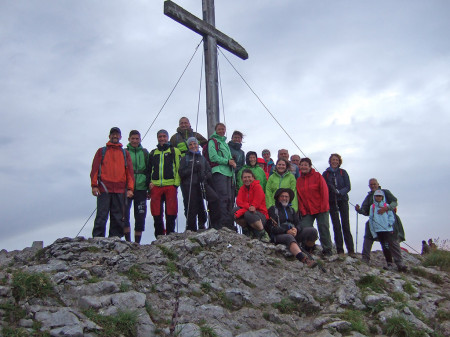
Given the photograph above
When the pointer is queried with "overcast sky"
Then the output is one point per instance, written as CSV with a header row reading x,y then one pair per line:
x,y
369,80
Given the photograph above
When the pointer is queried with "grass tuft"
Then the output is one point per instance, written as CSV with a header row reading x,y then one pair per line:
x,y
372,282
123,323
30,285
401,327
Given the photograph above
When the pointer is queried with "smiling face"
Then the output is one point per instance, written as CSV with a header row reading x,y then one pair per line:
x,y
281,167
266,156
135,140
236,138
252,160
334,162
193,146
305,168
247,178
378,198
220,130
373,185
115,137
184,123
162,139
284,198
295,158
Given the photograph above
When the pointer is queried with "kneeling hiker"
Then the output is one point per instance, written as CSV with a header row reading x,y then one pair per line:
x,y
284,226
251,211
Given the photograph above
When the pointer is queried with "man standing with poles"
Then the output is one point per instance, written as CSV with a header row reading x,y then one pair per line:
x,y
112,182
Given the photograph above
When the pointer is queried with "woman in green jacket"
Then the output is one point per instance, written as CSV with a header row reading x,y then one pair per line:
x,y
281,178
251,161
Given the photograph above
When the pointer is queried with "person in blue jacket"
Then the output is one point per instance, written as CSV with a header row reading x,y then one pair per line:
x,y
338,183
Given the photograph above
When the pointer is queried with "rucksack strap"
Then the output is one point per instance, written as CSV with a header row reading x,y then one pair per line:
x,y
104,148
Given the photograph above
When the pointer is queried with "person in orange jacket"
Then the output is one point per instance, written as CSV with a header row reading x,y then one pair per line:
x,y
112,182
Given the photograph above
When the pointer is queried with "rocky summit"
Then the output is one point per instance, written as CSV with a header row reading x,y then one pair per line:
x,y
214,283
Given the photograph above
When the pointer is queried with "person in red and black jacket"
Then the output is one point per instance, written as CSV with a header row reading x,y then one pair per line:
x,y
112,181
313,203
251,212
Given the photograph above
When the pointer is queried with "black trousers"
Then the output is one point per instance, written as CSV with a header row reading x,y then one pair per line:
x,y
193,206
110,205
341,226
139,201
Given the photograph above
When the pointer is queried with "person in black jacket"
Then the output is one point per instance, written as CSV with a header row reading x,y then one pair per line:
x,y
338,183
284,227
195,174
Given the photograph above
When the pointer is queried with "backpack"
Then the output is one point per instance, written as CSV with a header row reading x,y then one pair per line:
x,y
146,154
104,148
205,152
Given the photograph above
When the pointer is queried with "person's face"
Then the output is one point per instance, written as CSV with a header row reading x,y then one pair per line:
x,y
266,156
220,130
295,159
334,162
115,137
184,124
162,139
284,198
261,165
236,139
193,146
304,167
281,167
247,179
283,154
378,198
252,160
373,185
135,140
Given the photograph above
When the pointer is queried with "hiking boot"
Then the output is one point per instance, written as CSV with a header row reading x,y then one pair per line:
x,y
309,263
390,266
402,268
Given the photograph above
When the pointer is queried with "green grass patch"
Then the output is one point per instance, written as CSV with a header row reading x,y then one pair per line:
x,y
401,327
124,323
169,253
206,287
171,267
285,306
94,279
207,331
443,315
93,249
435,278
9,331
398,296
30,285
13,313
226,302
247,283
135,273
124,287
438,258
409,288
356,319
372,282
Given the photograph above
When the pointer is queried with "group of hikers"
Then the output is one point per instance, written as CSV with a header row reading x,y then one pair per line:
x,y
275,201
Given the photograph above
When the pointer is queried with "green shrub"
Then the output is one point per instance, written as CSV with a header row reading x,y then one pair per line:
x,y
135,273
169,253
123,323
30,285
13,313
372,282
356,319
401,327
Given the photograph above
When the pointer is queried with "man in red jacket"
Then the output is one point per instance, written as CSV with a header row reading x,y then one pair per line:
x,y
313,203
112,181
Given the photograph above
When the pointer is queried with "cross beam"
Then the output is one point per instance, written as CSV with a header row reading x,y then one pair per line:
x,y
212,38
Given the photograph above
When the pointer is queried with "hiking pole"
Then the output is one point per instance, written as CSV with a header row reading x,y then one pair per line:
x,y
203,190
357,218
90,216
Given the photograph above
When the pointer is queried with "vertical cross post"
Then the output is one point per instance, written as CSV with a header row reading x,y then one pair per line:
x,y
212,38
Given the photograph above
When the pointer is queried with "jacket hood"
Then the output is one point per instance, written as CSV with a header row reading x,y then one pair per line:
x,y
188,131
114,145
330,169
235,146
247,156
129,147
381,204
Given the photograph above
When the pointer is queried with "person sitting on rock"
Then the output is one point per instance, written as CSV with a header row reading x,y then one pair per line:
x,y
251,212
284,227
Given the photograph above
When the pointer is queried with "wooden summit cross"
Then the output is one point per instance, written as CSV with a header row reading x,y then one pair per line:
x,y
212,38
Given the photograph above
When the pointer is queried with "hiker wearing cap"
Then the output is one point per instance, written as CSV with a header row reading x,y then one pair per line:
x,y
268,162
238,155
195,175
112,181
281,177
139,157
184,131
338,183
312,193
398,235
223,167
284,227
251,212
382,225
251,163
164,162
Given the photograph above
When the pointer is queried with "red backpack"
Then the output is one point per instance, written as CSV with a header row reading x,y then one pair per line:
x,y
205,152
